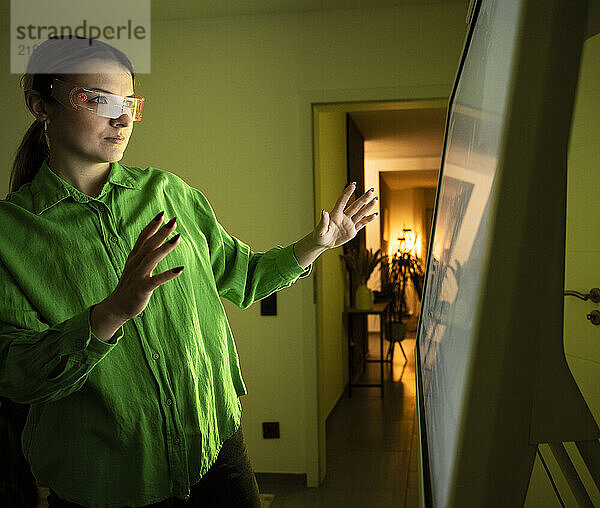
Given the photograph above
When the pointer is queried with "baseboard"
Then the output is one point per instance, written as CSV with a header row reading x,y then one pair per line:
x,y
281,478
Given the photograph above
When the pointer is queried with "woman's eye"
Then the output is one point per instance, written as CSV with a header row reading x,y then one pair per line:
x,y
101,100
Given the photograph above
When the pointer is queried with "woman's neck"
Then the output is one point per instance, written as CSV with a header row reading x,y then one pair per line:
x,y
86,177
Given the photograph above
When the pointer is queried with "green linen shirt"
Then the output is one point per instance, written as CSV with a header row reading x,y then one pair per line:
x,y
143,417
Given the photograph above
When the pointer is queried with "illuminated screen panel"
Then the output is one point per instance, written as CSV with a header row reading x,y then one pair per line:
x,y
461,229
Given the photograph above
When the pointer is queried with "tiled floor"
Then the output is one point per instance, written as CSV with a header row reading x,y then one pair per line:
x,y
371,443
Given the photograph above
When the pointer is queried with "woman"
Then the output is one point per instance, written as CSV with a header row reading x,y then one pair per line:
x,y
134,401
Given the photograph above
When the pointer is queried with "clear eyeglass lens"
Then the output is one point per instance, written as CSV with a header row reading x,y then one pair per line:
x,y
107,105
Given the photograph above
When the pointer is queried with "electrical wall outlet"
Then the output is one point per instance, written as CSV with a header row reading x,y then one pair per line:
x,y
271,430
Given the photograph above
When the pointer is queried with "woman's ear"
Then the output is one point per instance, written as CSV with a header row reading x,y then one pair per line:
x,y
36,105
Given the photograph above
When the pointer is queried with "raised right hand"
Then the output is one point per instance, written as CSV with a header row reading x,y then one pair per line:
x,y
136,284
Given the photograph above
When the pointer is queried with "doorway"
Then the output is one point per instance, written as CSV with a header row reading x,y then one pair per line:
x,y
402,149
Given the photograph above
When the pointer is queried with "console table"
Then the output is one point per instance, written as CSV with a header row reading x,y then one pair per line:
x,y
380,309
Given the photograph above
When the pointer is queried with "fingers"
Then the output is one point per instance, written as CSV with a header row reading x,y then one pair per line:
x,y
151,228
362,211
362,223
362,204
158,237
342,201
163,277
153,258
146,249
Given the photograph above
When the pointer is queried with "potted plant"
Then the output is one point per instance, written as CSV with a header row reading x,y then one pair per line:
x,y
402,268
361,263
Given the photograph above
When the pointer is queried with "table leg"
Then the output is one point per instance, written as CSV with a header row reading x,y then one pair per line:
x,y
381,350
350,355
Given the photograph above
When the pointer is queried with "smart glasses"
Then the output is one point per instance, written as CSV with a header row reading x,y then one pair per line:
x,y
101,103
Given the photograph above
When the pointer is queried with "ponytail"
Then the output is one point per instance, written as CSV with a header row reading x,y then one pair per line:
x,y
30,155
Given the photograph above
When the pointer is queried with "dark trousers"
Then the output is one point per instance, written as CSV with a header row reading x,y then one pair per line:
x,y
229,483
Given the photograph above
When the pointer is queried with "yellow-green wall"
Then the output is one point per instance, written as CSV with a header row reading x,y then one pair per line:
x,y
229,110
332,349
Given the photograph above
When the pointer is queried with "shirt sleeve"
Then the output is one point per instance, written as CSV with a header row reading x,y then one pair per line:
x,y
243,276
30,351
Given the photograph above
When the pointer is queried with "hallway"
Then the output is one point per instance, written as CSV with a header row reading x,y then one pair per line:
x,y
371,442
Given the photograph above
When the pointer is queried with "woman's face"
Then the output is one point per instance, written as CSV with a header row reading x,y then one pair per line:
x,y
82,134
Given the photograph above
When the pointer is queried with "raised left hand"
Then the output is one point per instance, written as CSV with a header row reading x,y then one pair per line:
x,y
340,226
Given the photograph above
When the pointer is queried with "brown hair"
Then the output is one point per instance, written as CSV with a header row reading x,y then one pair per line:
x,y
53,59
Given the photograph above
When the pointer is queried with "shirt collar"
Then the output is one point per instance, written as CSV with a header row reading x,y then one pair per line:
x,y
48,188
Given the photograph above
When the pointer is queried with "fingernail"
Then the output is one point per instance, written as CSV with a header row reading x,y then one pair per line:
x,y
159,215
171,222
178,269
354,183
174,239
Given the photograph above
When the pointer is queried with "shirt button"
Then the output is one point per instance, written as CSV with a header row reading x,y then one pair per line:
x,y
140,314
113,239
156,356
169,402
176,440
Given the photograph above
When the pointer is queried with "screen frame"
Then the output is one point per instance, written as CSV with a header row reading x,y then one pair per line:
x,y
425,481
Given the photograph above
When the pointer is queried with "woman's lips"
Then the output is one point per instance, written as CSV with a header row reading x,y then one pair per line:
x,y
115,140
